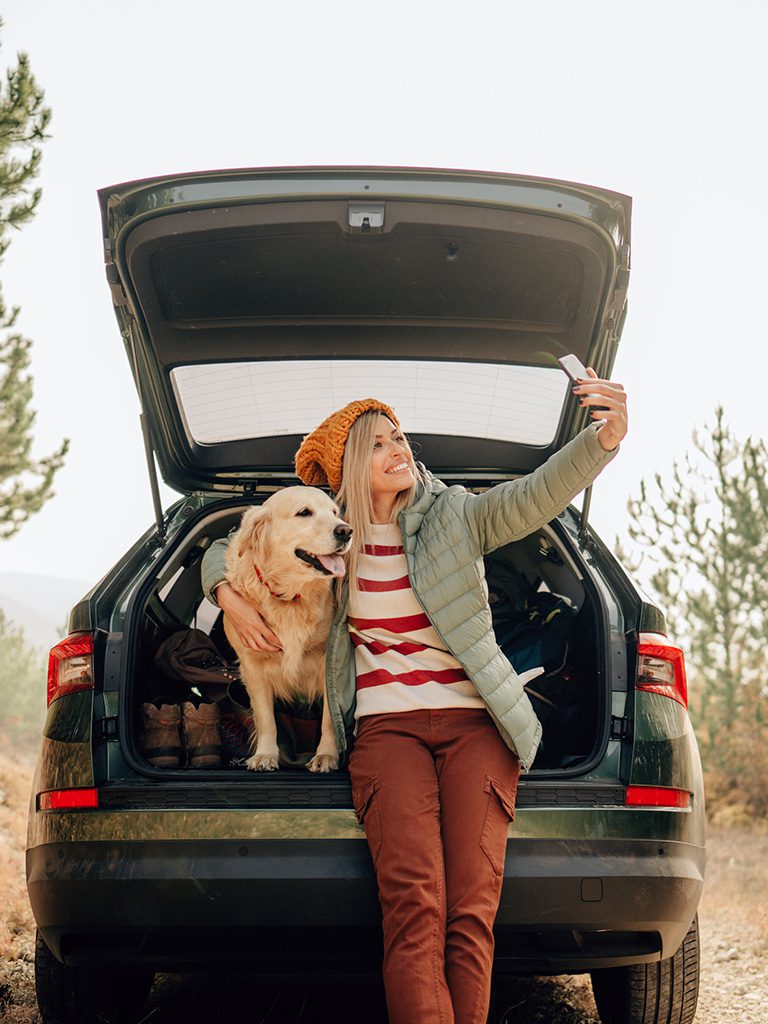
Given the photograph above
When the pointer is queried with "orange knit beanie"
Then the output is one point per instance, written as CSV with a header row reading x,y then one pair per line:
x,y
321,453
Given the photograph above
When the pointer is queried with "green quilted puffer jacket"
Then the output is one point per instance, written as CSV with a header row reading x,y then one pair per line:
x,y
446,533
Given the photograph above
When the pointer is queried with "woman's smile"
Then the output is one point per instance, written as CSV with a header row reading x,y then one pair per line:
x,y
392,468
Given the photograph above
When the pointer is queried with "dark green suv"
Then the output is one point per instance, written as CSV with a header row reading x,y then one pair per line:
x,y
251,304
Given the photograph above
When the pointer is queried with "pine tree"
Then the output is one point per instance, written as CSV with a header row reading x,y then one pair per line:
x,y
25,483
704,534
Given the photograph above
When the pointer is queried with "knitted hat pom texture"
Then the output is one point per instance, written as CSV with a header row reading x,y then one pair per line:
x,y
320,456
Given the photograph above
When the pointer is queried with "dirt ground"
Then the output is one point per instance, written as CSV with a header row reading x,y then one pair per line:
x,y
733,919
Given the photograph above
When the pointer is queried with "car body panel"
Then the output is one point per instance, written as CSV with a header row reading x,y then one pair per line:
x,y
664,749
65,759
129,899
328,823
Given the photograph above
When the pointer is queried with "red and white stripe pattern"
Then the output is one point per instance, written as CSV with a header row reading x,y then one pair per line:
x,y
401,663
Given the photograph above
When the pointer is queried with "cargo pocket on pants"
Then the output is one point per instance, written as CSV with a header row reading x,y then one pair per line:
x,y
500,811
365,801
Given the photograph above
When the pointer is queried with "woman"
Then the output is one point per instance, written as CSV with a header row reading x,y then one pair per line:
x,y
443,725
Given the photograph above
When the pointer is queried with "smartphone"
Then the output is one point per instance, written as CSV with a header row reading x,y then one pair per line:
x,y
577,371
574,367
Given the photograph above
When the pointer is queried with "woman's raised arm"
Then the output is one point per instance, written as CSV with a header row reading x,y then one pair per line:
x,y
509,511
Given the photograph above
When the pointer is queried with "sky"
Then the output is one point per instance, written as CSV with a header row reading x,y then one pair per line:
x,y
664,101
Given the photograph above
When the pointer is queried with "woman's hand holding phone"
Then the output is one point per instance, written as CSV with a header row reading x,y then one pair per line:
x,y
608,397
611,401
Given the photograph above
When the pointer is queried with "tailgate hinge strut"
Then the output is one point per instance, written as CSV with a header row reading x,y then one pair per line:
x,y
153,484
130,342
583,535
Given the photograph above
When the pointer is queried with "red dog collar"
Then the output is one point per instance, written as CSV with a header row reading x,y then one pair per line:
x,y
280,597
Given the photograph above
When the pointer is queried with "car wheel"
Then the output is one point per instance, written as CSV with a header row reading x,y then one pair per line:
x,y
85,995
660,993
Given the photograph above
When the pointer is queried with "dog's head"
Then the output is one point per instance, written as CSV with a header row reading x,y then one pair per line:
x,y
296,536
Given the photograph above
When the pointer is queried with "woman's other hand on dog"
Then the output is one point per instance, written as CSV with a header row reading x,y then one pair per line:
x,y
251,626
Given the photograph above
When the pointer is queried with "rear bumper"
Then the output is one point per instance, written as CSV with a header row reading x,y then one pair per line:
x,y
302,906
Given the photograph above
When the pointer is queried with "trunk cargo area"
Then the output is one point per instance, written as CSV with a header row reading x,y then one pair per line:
x,y
547,613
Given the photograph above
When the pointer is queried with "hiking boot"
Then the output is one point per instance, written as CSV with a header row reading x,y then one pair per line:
x,y
160,736
201,735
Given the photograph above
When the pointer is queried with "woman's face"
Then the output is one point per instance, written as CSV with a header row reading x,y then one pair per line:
x,y
392,467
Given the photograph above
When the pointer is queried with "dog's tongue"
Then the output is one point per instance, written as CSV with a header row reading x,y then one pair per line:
x,y
333,563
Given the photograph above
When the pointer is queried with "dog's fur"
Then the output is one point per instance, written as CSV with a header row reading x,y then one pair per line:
x,y
294,519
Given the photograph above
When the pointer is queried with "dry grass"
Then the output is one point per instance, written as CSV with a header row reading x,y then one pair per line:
x,y
735,761
17,927
16,923
737,881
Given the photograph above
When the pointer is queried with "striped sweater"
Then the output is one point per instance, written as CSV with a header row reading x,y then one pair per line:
x,y
401,663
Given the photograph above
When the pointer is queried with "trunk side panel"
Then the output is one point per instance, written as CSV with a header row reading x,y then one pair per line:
x,y
665,751
65,760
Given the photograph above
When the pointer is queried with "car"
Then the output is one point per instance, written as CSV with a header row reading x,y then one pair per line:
x,y
252,303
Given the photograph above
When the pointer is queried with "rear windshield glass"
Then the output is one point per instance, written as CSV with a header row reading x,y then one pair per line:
x,y
235,401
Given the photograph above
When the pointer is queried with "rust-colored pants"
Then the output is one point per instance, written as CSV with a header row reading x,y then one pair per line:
x,y
435,791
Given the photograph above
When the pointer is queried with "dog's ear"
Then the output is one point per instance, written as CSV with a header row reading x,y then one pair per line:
x,y
251,528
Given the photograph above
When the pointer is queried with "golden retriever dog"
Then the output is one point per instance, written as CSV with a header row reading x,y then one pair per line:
x,y
284,558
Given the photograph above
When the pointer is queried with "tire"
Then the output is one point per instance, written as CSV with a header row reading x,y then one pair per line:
x,y
87,995
660,993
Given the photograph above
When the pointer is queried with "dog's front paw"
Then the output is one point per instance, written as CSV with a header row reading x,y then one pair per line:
x,y
324,763
262,763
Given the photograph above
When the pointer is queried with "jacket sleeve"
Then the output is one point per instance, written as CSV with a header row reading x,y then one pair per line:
x,y
213,569
512,510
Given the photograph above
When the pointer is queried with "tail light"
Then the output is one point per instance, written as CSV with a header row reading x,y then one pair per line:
x,y
70,665
661,668
68,799
657,796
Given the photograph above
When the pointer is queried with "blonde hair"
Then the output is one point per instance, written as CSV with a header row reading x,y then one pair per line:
x,y
354,495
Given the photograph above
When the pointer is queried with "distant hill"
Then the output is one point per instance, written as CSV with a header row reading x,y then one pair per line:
x,y
39,604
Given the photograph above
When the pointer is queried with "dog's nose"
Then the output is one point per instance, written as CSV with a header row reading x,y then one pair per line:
x,y
343,532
